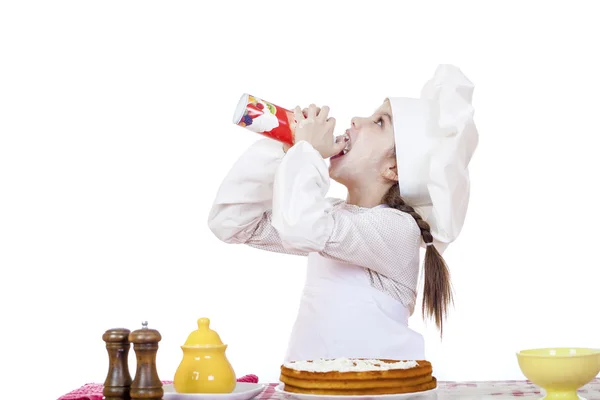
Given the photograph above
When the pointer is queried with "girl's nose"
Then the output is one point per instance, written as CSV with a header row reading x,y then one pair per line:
x,y
356,123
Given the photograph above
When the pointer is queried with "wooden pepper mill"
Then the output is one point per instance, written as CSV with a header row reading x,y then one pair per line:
x,y
118,379
146,384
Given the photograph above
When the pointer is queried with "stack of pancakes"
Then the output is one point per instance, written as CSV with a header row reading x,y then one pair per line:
x,y
357,377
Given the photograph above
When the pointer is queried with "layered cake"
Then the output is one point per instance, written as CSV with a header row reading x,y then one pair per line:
x,y
353,376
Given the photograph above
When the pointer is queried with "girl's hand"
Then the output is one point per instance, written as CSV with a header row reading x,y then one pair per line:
x,y
314,127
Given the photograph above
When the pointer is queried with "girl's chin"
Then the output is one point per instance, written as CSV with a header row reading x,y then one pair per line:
x,y
334,171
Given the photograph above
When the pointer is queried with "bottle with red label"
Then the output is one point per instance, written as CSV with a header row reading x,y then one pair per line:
x,y
265,118
271,120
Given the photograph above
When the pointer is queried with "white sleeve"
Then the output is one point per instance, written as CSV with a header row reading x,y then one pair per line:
x,y
241,211
246,193
384,240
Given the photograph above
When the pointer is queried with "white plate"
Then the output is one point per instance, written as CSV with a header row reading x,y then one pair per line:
x,y
242,391
427,394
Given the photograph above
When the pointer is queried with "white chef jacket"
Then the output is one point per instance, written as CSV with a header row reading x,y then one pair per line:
x,y
363,263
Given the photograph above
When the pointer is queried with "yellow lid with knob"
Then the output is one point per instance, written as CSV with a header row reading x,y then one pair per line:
x,y
204,336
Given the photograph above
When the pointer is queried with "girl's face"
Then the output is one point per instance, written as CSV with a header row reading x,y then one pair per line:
x,y
371,156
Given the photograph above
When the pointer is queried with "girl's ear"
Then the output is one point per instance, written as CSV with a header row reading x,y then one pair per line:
x,y
390,173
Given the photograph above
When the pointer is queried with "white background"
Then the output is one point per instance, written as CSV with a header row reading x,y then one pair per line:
x,y
115,132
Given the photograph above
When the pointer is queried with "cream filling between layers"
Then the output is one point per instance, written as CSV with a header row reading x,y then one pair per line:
x,y
348,365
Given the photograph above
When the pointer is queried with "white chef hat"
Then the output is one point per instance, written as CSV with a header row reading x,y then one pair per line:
x,y
435,139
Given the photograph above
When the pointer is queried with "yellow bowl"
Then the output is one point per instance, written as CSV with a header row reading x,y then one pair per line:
x,y
560,371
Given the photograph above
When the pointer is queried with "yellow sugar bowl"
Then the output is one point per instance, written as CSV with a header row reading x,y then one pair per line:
x,y
204,367
560,371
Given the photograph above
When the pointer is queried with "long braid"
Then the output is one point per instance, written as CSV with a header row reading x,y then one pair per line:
x,y
437,292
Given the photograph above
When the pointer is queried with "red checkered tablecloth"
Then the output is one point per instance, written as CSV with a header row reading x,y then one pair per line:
x,y
504,390
446,391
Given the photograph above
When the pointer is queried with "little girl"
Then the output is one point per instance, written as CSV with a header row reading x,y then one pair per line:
x,y
406,171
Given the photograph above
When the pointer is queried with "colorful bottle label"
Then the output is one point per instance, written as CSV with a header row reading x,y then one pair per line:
x,y
265,118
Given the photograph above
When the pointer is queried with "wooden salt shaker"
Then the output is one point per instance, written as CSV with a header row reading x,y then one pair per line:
x,y
118,379
146,384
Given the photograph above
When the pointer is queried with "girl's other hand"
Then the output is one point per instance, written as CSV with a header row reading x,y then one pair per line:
x,y
314,127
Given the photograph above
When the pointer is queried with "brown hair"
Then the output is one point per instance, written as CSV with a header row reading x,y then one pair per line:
x,y
437,292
